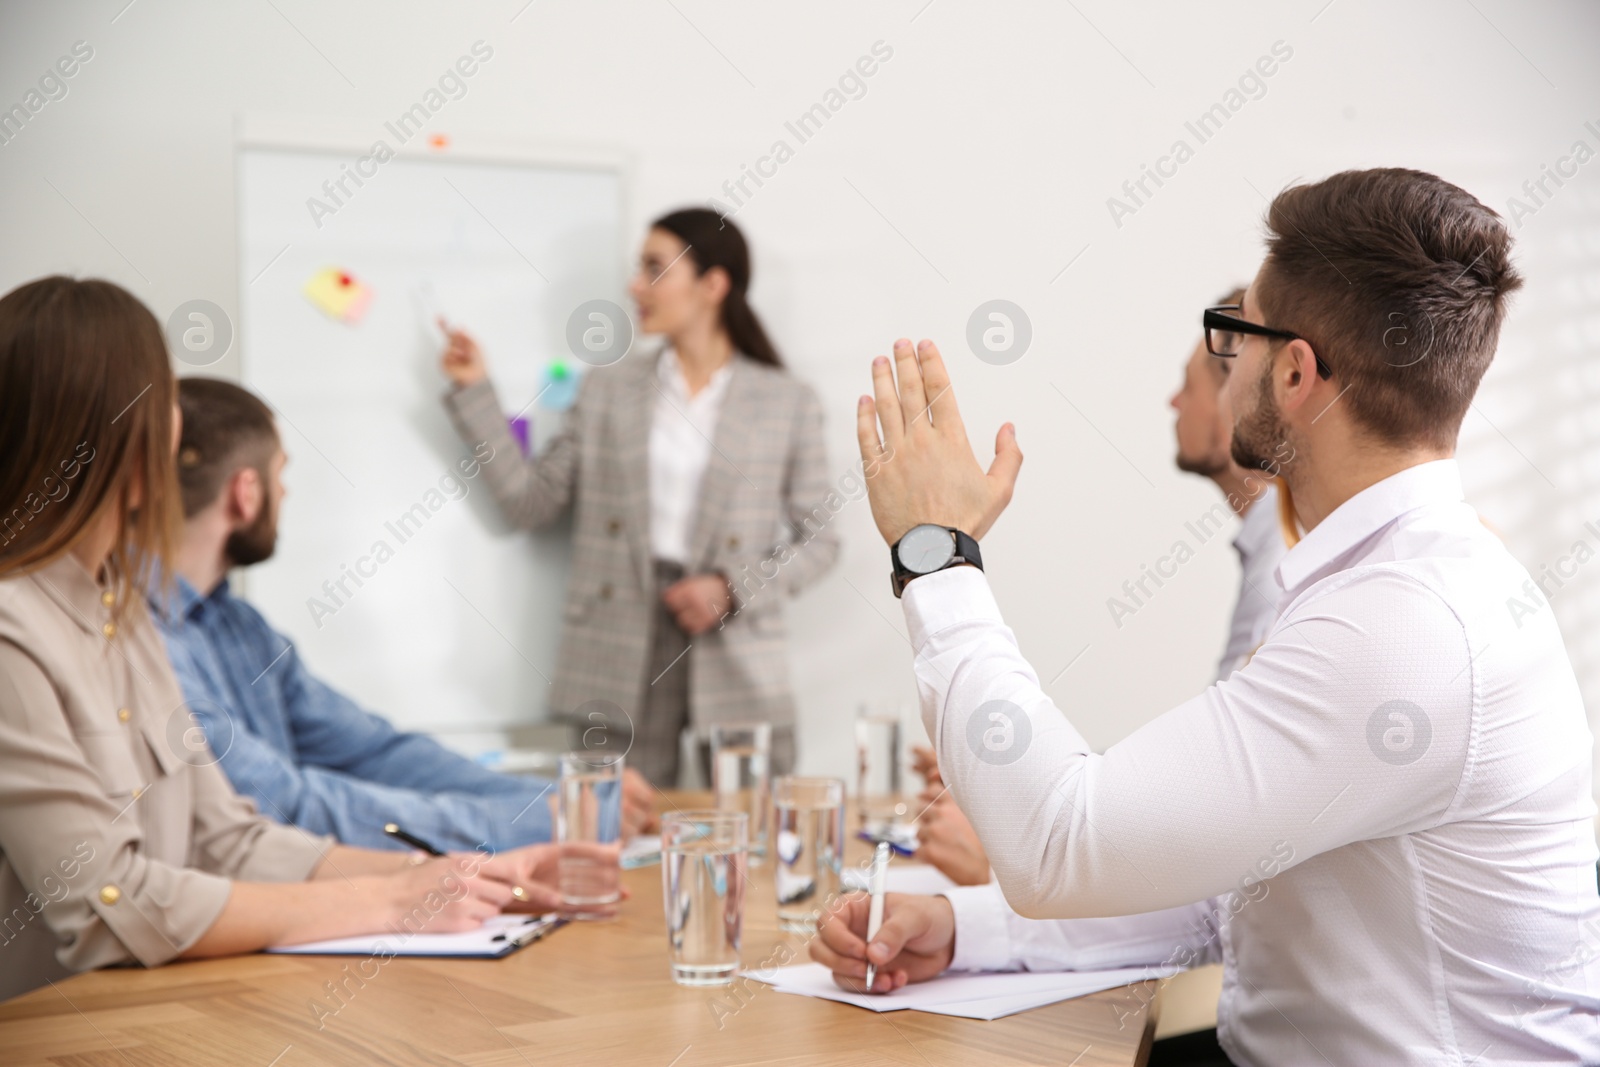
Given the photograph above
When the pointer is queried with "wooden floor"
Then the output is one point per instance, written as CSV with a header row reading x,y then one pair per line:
x,y
589,994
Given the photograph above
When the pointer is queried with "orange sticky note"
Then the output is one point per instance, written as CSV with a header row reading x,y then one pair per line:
x,y
338,294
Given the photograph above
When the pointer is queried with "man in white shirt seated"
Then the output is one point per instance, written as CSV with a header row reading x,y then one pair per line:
x,y
1204,430
1382,823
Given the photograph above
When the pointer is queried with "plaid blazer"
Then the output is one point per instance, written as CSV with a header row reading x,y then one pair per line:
x,y
763,520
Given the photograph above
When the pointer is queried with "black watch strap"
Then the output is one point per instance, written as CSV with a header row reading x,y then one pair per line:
x,y
966,553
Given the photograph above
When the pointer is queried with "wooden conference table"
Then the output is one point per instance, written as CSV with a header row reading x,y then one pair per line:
x,y
590,993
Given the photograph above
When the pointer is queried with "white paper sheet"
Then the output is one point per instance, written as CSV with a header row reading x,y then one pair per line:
x,y
969,996
496,937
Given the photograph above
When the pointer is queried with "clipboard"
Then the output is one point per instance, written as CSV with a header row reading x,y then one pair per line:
x,y
495,939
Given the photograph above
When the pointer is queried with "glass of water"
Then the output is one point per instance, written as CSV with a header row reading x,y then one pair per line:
x,y
589,829
809,845
703,855
879,789
741,777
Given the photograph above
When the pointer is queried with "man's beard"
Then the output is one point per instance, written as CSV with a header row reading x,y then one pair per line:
x,y
1259,436
1208,466
256,542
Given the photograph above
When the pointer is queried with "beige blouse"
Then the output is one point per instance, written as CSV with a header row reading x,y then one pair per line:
x,y
118,833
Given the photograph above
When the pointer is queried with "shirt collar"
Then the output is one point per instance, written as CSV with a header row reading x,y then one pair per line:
x,y
1372,509
1259,525
69,584
670,373
185,601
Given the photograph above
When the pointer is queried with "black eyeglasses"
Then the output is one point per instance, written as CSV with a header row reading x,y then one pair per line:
x,y
1225,334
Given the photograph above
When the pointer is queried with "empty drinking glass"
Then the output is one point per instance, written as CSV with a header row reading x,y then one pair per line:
x,y
703,855
741,777
809,845
589,812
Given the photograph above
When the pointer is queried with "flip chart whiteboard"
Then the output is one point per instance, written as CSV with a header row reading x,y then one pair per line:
x,y
394,572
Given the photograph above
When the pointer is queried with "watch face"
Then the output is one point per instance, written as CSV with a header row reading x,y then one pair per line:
x,y
926,549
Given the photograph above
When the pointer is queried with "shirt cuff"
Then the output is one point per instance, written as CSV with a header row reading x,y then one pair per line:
x,y
945,598
153,922
983,932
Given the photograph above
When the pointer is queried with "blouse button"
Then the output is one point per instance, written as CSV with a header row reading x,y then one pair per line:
x,y
109,629
605,591
110,894
123,714
614,527
733,542
108,598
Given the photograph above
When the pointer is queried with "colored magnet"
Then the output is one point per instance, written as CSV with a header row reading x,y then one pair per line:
x,y
338,295
520,430
560,388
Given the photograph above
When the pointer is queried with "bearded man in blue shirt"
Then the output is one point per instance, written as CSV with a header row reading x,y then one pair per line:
x,y
305,753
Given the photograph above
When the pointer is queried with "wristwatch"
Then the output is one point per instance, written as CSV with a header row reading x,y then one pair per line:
x,y
928,548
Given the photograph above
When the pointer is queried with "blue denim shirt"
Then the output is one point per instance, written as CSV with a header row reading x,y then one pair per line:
x,y
310,756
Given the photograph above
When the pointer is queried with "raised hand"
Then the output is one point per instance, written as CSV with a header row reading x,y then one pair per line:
x,y
922,468
462,359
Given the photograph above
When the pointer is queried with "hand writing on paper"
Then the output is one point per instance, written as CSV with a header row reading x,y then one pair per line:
x,y
450,893
916,942
922,467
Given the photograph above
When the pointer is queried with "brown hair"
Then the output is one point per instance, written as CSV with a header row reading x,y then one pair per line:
x,y
713,241
1398,280
225,427
86,393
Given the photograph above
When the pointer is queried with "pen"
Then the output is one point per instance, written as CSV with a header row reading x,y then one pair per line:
x,y
400,835
538,932
875,880
394,831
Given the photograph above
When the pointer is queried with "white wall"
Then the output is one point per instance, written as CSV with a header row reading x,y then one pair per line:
x,y
977,165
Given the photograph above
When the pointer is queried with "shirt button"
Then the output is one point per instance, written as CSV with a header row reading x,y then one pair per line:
x,y
109,629
108,598
110,894
614,527
733,542
605,591
124,714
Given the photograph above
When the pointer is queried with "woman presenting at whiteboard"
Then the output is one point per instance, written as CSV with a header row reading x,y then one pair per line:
x,y
697,478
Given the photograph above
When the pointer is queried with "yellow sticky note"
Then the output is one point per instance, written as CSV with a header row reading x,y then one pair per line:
x,y
338,294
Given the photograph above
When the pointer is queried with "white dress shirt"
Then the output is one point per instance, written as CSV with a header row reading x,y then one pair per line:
x,y
1388,806
681,431
1260,546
